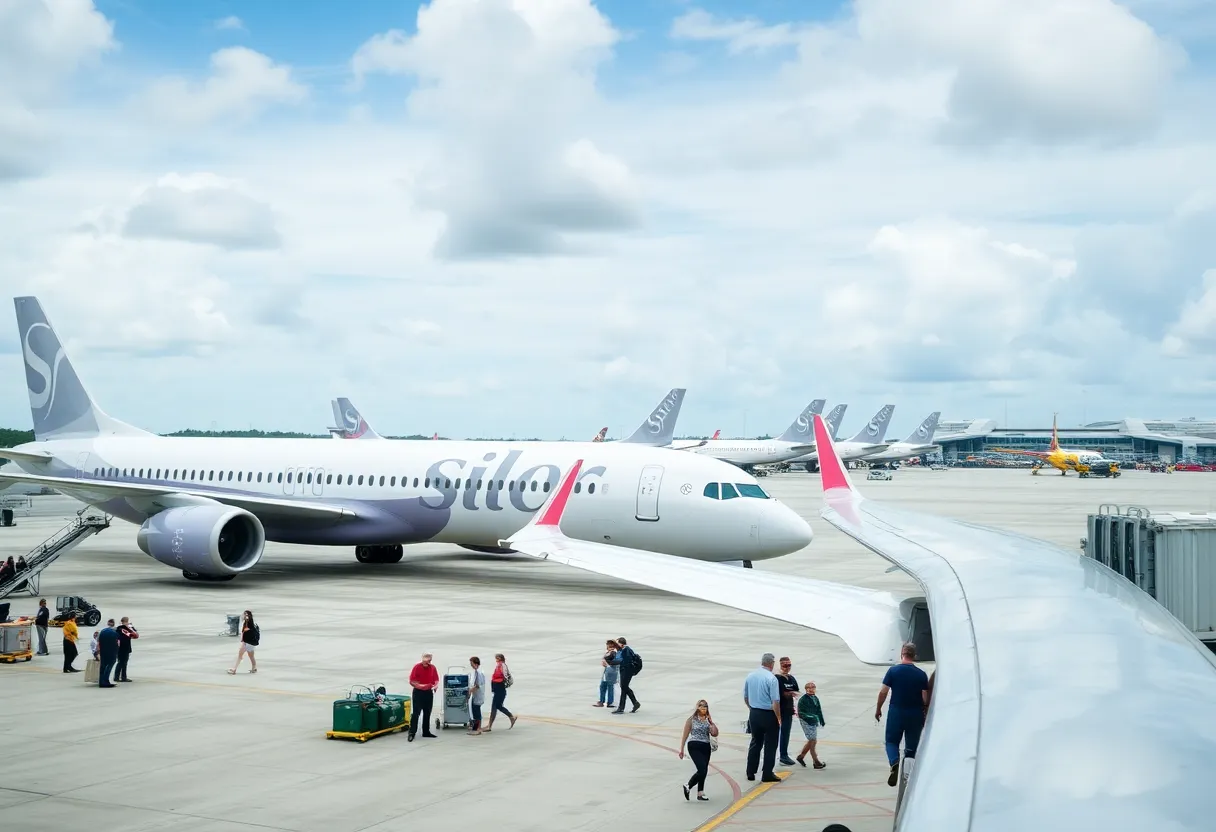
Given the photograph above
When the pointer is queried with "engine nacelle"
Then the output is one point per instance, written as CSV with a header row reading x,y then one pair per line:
x,y
209,540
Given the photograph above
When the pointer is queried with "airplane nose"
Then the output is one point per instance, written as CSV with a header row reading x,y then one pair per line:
x,y
782,531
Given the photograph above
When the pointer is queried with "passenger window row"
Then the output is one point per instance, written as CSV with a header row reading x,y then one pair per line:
x,y
197,475
729,491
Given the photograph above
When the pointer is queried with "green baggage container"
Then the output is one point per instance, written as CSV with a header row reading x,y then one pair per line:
x,y
348,716
371,716
392,714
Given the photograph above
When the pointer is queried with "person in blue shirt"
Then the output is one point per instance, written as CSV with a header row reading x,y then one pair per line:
x,y
908,687
762,695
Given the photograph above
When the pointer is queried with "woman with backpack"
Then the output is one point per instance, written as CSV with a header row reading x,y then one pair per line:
x,y
250,637
499,682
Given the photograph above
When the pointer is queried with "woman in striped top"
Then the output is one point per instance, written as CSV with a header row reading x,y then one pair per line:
x,y
699,729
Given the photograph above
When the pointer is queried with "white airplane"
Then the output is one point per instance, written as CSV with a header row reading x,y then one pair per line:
x,y
869,440
918,443
657,430
207,506
748,453
1039,650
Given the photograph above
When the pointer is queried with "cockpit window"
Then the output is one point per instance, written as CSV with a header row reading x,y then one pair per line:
x,y
728,491
748,489
711,491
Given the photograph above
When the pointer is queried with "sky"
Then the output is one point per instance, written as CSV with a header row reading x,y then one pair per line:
x,y
533,217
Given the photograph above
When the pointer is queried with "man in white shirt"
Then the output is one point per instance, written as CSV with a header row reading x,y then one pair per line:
x,y
477,696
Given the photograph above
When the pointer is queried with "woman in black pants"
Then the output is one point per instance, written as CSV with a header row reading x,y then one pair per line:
x,y
699,731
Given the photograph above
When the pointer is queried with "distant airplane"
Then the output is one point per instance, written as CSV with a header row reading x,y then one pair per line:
x,y
207,506
918,443
1065,460
869,440
748,453
1001,615
351,424
599,437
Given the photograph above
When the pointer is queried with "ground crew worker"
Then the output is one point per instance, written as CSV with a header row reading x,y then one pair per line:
x,y
41,622
70,634
762,696
908,687
424,678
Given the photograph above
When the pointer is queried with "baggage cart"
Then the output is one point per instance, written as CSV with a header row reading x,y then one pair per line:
x,y
366,714
455,698
16,642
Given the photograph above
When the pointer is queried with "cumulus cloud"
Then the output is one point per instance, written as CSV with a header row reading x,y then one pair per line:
x,y
231,23
202,208
242,84
41,44
510,85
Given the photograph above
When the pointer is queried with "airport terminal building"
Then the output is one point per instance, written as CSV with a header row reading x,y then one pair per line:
x,y
1127,440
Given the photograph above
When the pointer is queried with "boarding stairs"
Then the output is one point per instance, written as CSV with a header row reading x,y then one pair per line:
x,y
51,549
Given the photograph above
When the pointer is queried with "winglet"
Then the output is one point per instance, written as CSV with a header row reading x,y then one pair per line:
x,y
830,465
551,512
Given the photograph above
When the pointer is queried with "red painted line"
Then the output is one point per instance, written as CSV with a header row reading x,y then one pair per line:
x,y
735,791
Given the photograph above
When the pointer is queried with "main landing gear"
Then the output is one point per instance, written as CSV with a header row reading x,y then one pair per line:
x,y
379,554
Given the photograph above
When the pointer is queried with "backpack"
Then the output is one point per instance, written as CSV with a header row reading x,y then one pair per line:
x,y
635,663
254,636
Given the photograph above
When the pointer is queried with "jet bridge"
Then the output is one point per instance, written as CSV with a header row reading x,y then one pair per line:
x,y
51,549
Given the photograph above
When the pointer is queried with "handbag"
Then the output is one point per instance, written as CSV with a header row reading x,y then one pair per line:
x,y
507,678
713,740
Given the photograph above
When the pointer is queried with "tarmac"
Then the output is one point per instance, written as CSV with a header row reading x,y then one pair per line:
x,y
187,747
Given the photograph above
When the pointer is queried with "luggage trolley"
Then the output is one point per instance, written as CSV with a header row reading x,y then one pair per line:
x,y
455,698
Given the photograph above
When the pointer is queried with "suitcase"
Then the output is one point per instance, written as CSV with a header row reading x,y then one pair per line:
x,y
92,672
348,716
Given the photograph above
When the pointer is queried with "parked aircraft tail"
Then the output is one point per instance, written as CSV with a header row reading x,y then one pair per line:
x,y
923,435
717,433
58,402
876,429
1055,433
660,426
799,432
599,437
350,422
835,418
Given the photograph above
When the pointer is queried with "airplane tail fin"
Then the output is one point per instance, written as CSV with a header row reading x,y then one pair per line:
x,y
1055,433
717,433
660,426
435,435
60,405
599,437
350,422
801,431
923,435
835,418
876,428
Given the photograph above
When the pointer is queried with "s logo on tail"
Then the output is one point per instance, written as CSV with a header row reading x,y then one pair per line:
x,y
48,372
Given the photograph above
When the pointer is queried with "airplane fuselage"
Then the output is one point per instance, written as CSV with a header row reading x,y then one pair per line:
x,y
464,492
749,452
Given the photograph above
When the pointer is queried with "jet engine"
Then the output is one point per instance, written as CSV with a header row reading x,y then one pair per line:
x,y
208,541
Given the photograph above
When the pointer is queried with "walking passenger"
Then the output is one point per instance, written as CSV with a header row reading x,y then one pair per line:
x,y
424,678
789,697
126,632
698,729
630,664
810,716
477,696
107,648
762,696
70,634
251,637
908,687
499,682
609,675
41,622
93,648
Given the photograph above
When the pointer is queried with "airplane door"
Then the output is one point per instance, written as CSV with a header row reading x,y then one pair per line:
x,y
289,485
82,464
318,486
648,493
301,486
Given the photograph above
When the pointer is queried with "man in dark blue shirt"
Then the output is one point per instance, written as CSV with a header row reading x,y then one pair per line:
x,y
107,648
908,687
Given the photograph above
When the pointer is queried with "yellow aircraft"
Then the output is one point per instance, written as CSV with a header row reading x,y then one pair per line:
x,y
1085,463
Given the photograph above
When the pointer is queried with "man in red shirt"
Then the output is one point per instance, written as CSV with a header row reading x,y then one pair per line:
x,y
424,679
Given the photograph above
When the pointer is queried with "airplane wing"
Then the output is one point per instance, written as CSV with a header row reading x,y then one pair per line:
x,y
1065,697
871,623
147,496
25,456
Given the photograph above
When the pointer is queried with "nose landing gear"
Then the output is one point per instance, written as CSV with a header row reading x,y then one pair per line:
x,y
379,554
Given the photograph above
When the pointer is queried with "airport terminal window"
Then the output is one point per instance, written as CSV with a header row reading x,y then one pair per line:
x,y
711,491
728,491
747,489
